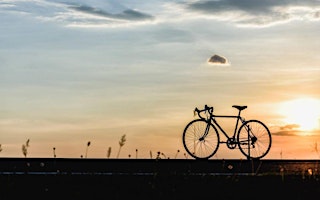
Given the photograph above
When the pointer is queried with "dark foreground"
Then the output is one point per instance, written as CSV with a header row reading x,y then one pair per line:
x,y
59,178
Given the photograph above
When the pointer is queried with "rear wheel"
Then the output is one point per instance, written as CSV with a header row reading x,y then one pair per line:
x,y
200,139
254,139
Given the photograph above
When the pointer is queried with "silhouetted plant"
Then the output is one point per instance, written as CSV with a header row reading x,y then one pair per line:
x,y
151,154
136,153
54,152
158,155
185,155
315,148
0,148
164,155
317,152
109,152
177,153
25,148
121,143
88,144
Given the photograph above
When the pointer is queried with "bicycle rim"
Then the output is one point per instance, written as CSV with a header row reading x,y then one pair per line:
x,y
258,144
194,143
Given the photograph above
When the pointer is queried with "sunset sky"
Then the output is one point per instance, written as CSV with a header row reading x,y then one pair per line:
x,y
89,70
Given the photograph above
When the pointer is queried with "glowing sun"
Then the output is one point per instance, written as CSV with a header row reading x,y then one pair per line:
x,y
305,112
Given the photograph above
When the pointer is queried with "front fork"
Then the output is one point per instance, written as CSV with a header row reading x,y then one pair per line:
x,y
206,131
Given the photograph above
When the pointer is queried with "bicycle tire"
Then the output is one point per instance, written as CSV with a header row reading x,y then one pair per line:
x,y
195,147
259,146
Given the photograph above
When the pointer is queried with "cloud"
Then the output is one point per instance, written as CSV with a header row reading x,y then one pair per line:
x,y
257,13
296,133
292,130
128,14
78,13
114,13
289,127
218,60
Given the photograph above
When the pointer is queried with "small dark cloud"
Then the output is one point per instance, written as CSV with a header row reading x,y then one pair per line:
x,y
129,14
218,60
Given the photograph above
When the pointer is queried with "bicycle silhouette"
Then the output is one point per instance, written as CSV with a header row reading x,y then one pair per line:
x,y
201,138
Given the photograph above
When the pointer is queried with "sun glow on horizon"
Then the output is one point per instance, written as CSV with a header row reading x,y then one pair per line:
x,y
304,112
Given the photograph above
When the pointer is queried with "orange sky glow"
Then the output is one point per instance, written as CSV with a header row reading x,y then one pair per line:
x,y
94,71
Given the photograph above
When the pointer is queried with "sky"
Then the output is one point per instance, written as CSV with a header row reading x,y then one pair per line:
x,y
80,71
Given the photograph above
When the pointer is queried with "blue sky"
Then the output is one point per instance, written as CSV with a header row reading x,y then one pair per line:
x,y
78,71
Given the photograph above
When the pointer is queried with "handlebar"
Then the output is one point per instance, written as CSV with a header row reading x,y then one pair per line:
x,y
206,108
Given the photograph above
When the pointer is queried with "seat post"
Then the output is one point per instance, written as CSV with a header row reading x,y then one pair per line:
x,y
239,112
237,123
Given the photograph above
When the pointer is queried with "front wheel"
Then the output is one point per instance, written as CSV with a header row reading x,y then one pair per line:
x,y
254,139
200,139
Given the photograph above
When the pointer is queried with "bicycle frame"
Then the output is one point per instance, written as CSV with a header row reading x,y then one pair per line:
x,y
214,122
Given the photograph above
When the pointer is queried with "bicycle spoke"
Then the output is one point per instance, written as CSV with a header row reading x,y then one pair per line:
x,y
199,143
258,144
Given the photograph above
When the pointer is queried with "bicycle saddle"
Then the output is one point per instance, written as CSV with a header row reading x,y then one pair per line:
x,y
239,107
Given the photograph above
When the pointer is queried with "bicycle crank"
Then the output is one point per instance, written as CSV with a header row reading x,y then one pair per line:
x,y
231,143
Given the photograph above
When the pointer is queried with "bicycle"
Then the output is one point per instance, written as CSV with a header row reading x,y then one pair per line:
x,y
201,138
